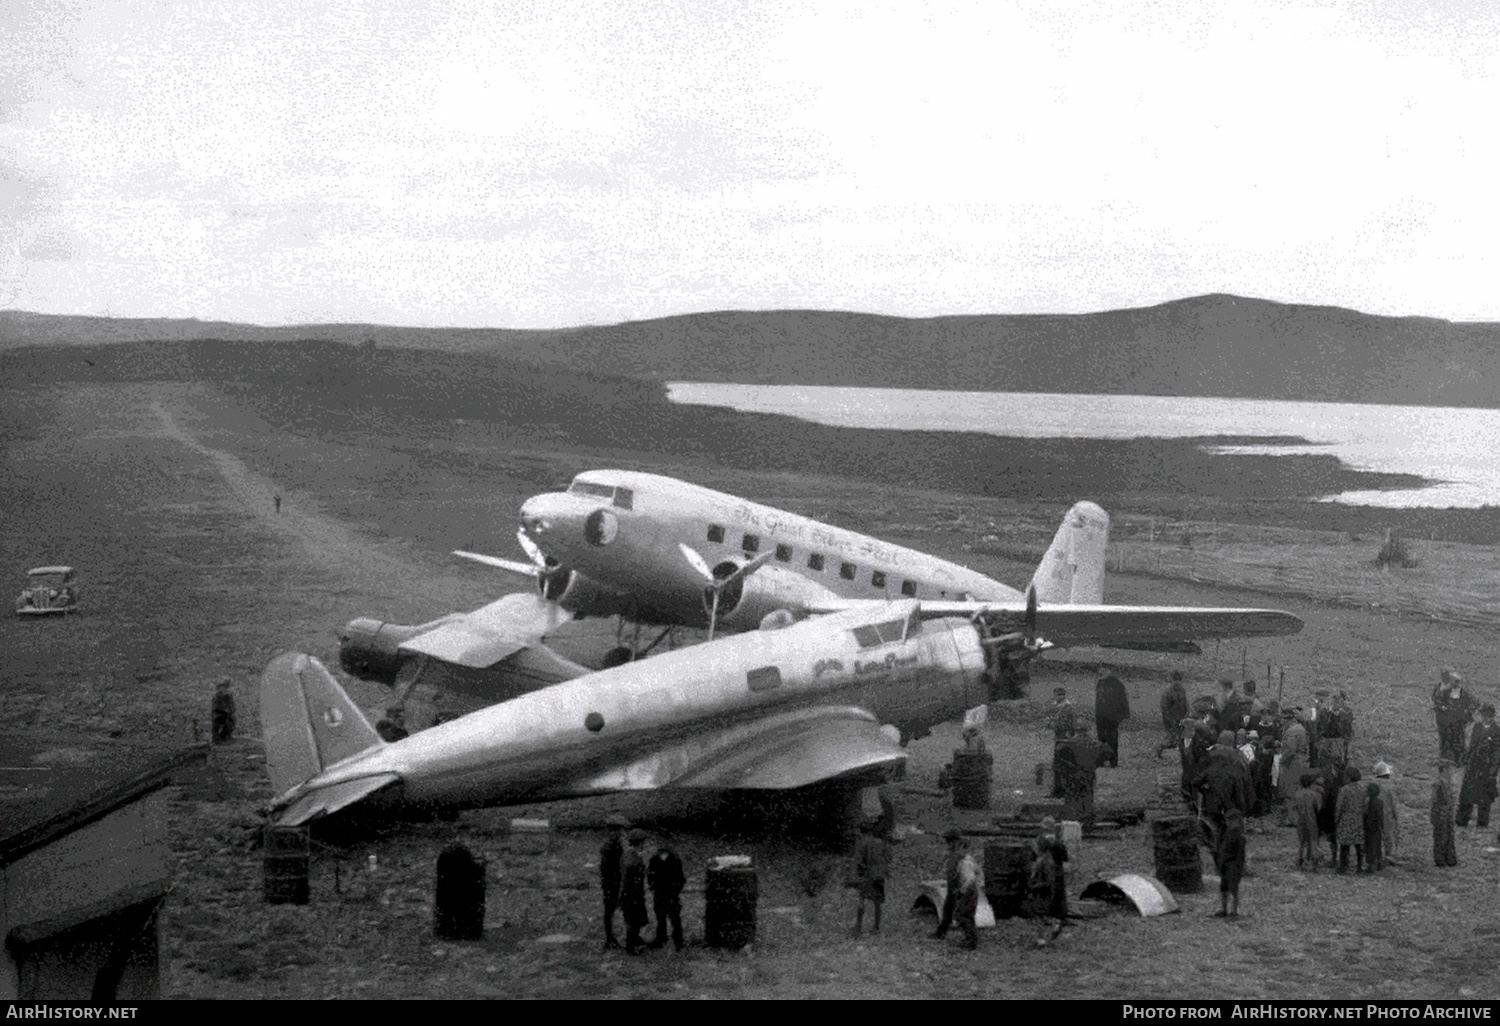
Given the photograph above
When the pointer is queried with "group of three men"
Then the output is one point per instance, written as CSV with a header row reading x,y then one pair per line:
x,y
624,876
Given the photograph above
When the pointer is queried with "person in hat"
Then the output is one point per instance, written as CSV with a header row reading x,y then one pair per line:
x,y
872,864
666,879
1064,726
1294,754
633,891
1374,834
1223,784
1453,708
964,883
1444,852
1481,763
610,854
1390,825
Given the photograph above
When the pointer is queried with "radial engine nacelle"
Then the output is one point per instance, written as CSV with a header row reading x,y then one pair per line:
x,y
370,649
744,603
580,594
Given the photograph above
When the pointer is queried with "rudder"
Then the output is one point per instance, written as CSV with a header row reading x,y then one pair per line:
x,y
308,721
1072,571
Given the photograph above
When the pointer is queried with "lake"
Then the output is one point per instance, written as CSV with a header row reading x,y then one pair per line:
x,y
1454,448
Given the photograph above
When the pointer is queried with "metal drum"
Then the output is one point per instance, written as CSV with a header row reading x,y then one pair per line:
x,y
729,897
458,901
972,772
1007,877
286,854
1178,866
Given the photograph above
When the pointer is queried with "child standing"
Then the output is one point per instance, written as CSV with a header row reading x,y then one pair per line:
x,y
1305,805
1374,830
1231,865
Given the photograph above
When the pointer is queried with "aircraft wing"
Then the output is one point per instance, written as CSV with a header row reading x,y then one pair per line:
x,y
490,633
1065,625
806,746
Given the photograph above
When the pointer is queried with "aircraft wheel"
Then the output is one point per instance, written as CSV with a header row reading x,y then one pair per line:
x,y
617,656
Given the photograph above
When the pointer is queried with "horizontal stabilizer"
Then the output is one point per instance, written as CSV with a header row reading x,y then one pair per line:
x,y
808,746
327,800
489,634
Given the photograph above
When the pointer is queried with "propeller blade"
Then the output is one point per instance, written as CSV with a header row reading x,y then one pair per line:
x,y
504,564
699,564
713,615
748,569
532,551
1031,611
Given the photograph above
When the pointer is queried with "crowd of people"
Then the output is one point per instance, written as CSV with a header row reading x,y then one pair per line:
x,y
1242,759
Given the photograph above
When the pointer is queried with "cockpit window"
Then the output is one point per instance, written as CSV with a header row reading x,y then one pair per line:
x,y
625,498
582,487
873,634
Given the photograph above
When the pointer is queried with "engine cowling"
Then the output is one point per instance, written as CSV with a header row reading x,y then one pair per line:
x,y
369,649
745,603
580,594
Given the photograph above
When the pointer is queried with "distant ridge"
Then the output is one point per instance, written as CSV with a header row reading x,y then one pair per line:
x,y
1217,345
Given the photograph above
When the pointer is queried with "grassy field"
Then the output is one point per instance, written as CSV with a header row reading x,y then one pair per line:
x,y
159,491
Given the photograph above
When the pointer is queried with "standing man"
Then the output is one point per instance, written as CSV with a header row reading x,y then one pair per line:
x,y
1454,708
1481,763
665,877
611,852
1444,852
1064,726
1111,708
872,864
276,501
633,892
223,712
1390,826
1174,709
964,883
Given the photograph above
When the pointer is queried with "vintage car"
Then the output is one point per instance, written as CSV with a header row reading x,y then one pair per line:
x,y
49,590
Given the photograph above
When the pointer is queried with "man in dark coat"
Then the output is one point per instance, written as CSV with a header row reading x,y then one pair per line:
x,y
223,712
1064,726
1111,708
1454,708
1481,763
1224,783
1174,708
1444,852
633,892
665,877
610,854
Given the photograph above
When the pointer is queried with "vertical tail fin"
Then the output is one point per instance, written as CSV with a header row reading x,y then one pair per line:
x,y
308,721
1072,571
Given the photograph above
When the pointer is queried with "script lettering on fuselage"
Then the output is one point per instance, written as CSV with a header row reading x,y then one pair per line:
x,y
823,666
890,662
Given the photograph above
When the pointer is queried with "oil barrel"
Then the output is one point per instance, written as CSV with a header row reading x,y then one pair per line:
x,y
972,772
1178,865
1007,877
458,898
729,897
286,853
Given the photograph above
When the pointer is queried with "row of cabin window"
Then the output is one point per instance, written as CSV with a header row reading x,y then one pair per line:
x,y
751,543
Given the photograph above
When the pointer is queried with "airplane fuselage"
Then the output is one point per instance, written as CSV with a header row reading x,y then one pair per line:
x,y
622,529
684,717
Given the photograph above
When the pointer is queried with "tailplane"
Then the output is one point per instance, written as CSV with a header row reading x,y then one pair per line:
x,y
308,721
1072,571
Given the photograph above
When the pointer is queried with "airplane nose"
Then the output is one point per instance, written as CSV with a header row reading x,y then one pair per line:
x,y
533,522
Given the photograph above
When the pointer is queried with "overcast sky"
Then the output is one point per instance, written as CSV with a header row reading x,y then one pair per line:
x,y
552,164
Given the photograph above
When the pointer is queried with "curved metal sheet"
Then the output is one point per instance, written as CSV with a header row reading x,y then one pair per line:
x,y
1148,894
